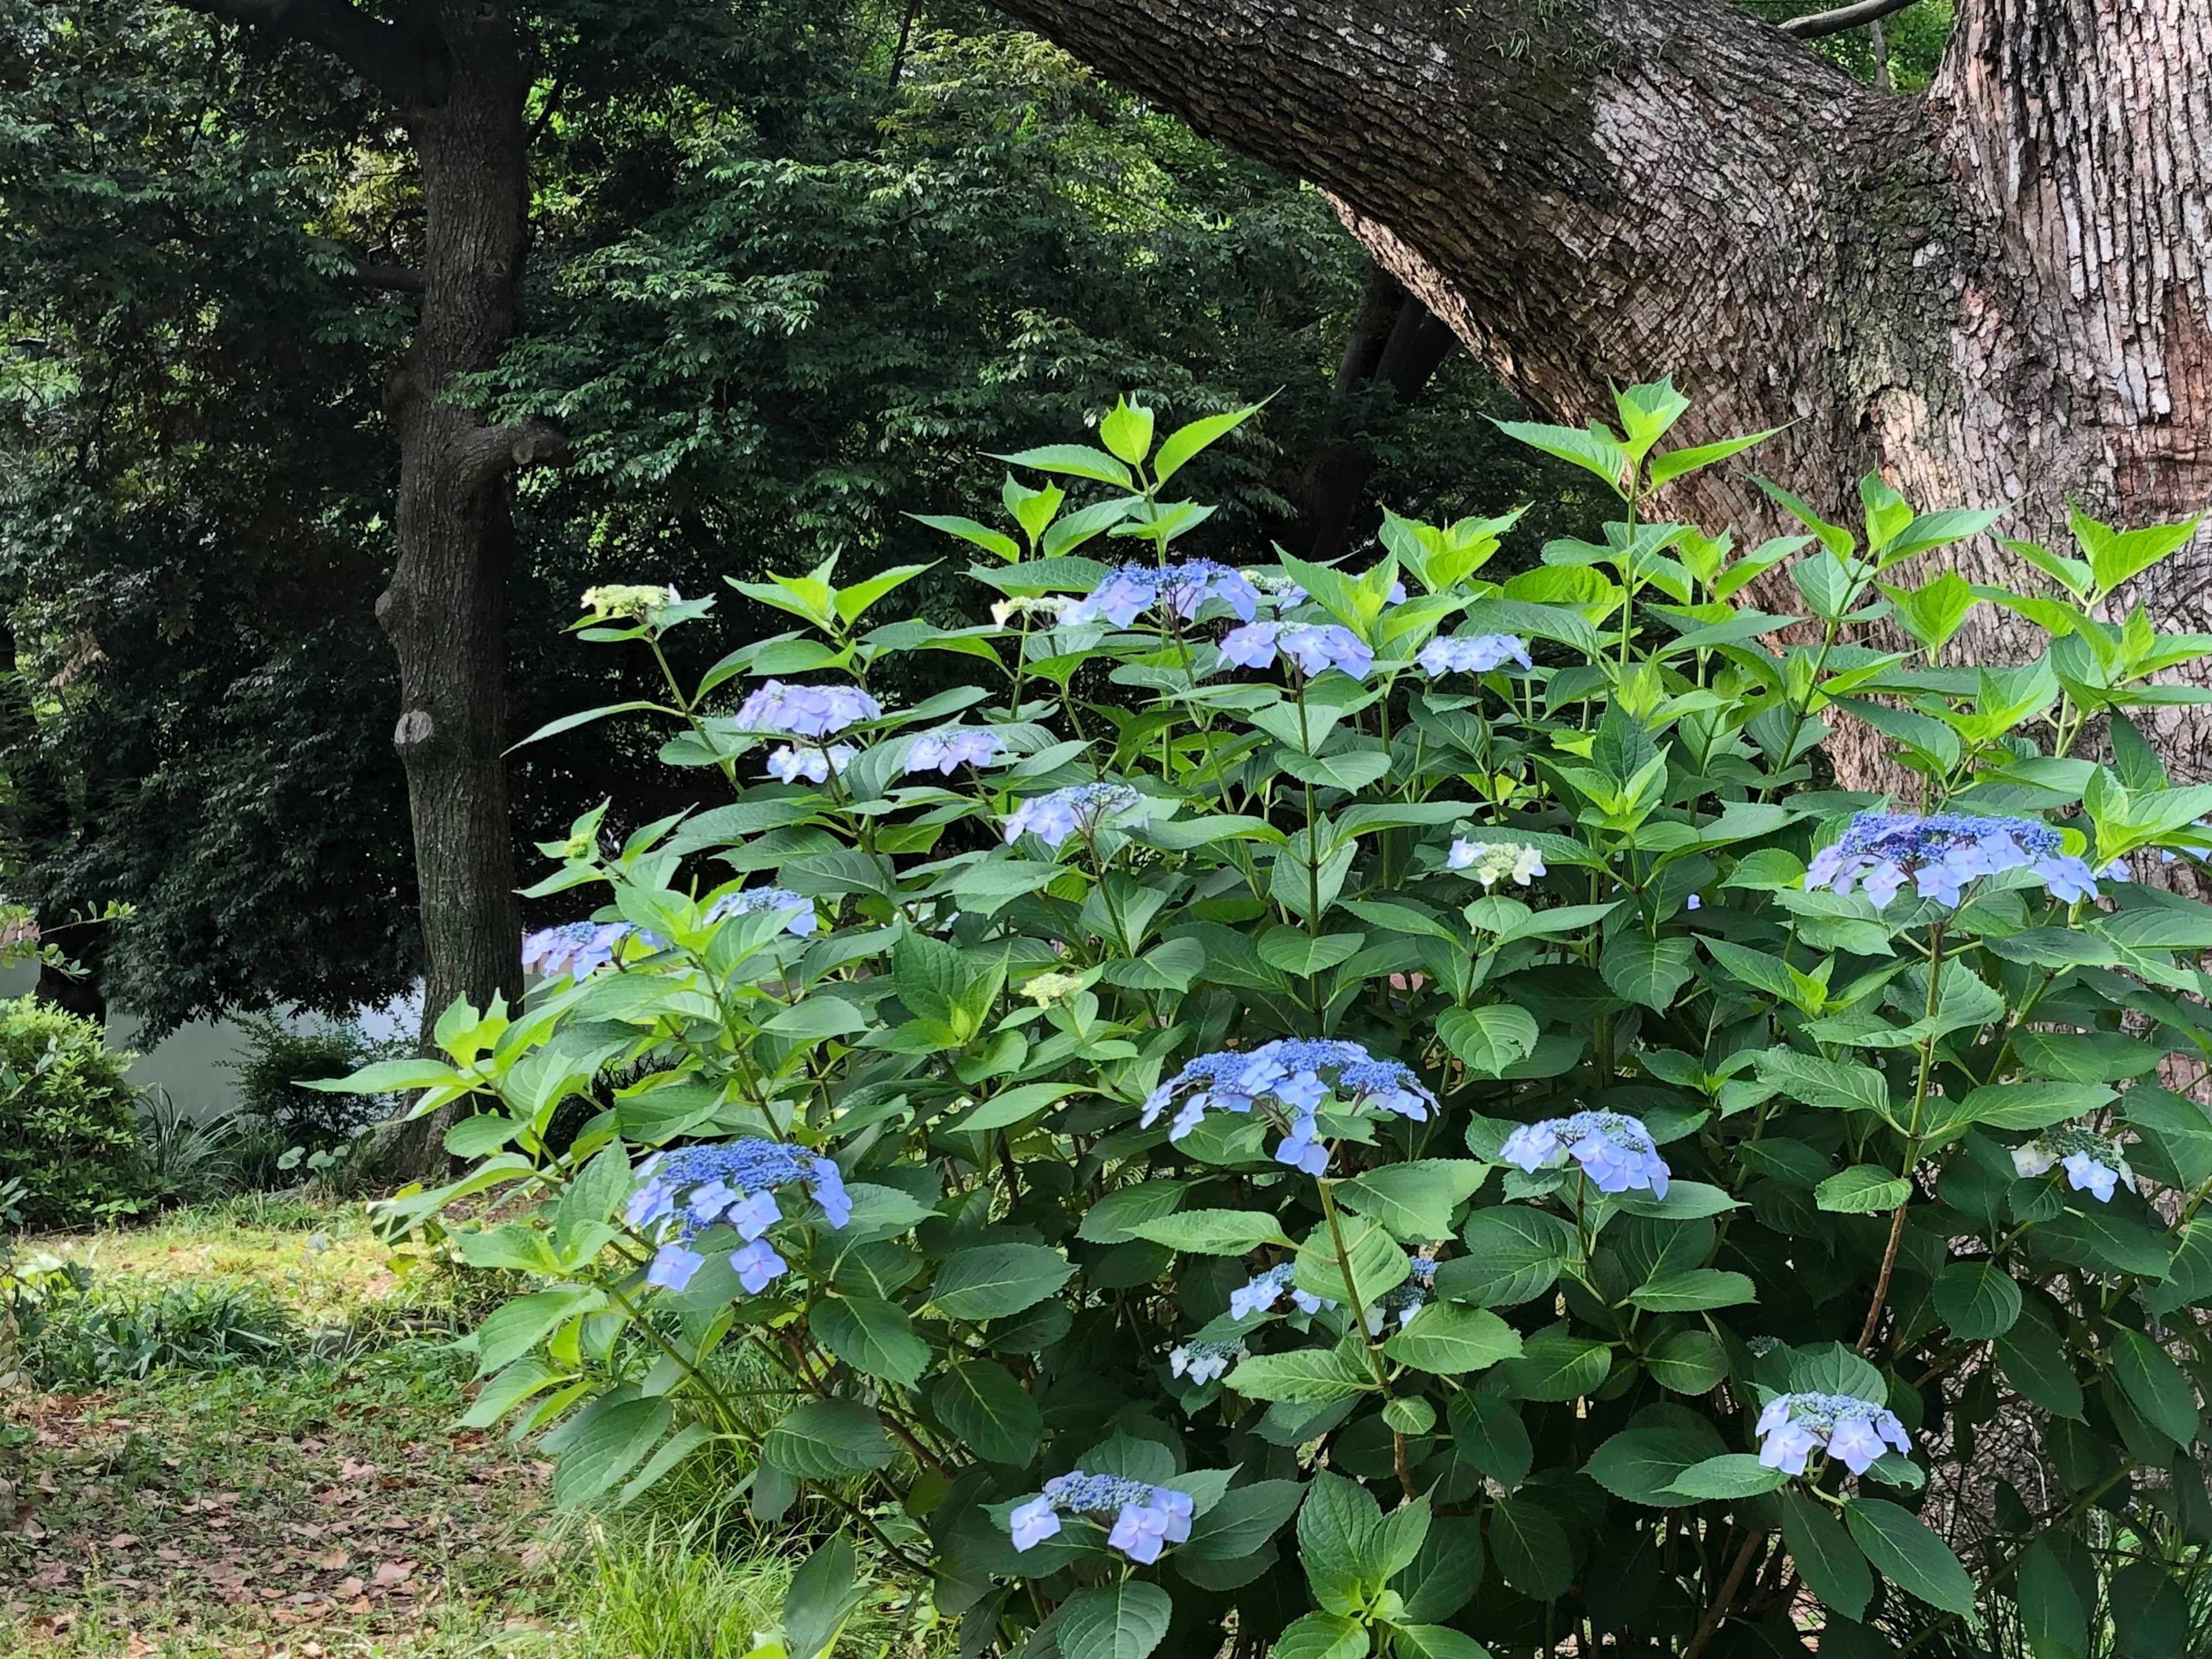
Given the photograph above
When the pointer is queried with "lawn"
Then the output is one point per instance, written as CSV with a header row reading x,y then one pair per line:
x,y
286,1478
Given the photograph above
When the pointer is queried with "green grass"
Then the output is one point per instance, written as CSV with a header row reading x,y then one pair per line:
x,y
185,1492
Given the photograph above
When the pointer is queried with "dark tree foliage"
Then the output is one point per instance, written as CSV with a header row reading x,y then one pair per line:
x,y
794,268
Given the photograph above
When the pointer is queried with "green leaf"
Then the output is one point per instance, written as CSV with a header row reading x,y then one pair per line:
x,y
990,1281
1555,1364
1488,1432
1245,1518
2151,1613
1827,1559
1676,463
1900,1547
1211,1232
605,1446
1828,1083
982,536
2034,1362
1016,1105
2051,1616
1979,1300
1449,1340
1692,1290
1302,1374
1073,461
1531,1549
1489,1038
1110,1220
1641,1464
1186,442
1127,431
389,1077
872,1336
1731,1475
1340,1540
1414,1201
1863,1189
990,1414
1687,1363
2034,1105
1121,1620
1515,1252
1436,1642
829,1440
1596,450
1296,952
1646,971
2154,1384
513,1331
1321,1636
824,1593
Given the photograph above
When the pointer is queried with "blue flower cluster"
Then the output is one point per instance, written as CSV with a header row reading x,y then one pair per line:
x,y
805,711
1263,1290
1202,1362
1615,1151
689,1190
1288,1076
752,900
2093,1163
1477,654
1179,590
787,764
573,949
948,747
1794,1425
1940,854
1077,809
1313,646
1146,1517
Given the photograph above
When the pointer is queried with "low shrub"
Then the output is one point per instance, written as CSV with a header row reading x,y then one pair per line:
x,y
1387,1112
91,1334
275,1059
70,1130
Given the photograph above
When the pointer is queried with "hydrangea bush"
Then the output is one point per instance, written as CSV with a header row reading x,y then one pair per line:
x,y
1386,1111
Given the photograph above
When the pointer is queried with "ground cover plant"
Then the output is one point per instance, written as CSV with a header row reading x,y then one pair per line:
x,y
1380,1111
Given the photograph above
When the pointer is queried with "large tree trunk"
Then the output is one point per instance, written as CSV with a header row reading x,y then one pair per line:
x,y
453,74
1998,295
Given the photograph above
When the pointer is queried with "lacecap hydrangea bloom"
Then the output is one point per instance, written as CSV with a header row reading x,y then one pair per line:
x,y
1614,1150
805,711
1080,809
1293,1075
684,1192
1942,853
2092,1161
573,950
948,747
1314,647
1477,654
635,601
787,764
1146,1517
1854,1431
1179,590
1492,861
753,901
1045,989
1263,1290
1202,1362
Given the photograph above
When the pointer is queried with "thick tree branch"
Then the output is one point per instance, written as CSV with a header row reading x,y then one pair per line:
x,y
490,451
398,279
1817,24
382,53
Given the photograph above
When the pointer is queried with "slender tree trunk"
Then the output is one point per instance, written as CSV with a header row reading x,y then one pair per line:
x,y
1998,295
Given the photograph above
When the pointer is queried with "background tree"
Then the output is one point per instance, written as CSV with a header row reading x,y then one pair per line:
x,y
1995,290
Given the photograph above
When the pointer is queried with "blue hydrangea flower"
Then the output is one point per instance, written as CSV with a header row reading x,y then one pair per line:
x,y
1406,1298
1079,809
573,950
684,1192
1857,1431
1263,1290
1179,590
2093,1163
1614,1150
948,747
805,711
1202,1362
787,764
1146,1517
1314,647
1941,855
1477,654
751,900
1290,1077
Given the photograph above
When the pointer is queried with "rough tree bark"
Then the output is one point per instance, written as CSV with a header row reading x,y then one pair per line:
x,y
1998,293
452,73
